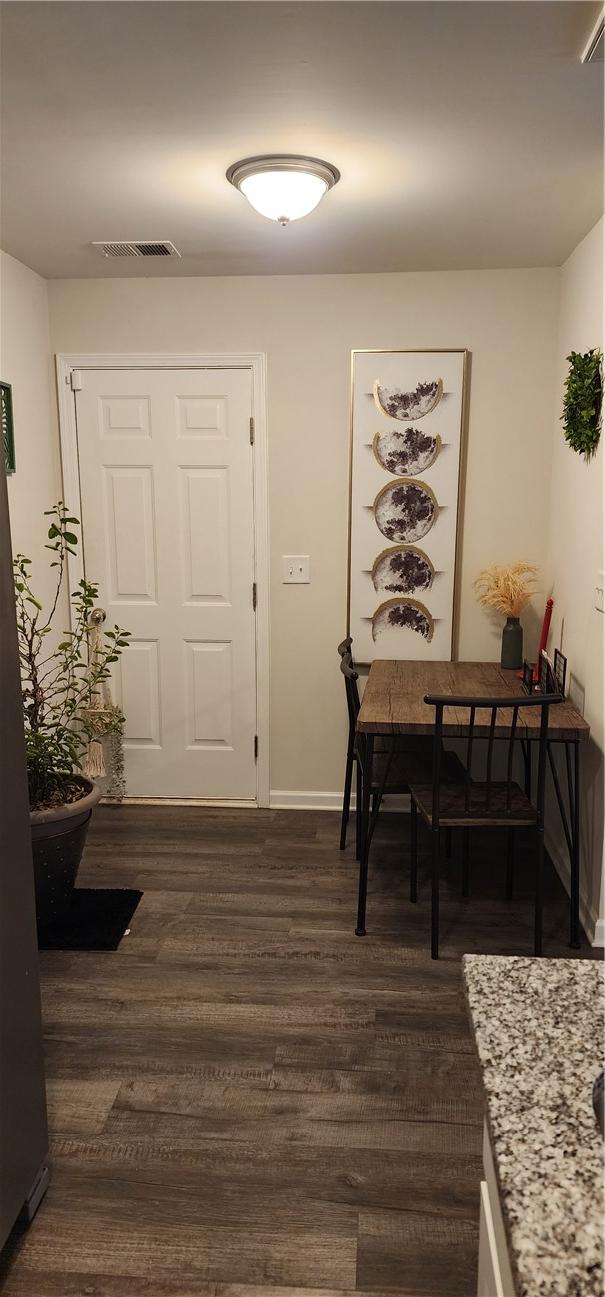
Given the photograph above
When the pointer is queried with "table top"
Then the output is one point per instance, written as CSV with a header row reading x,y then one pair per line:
x,y
393,700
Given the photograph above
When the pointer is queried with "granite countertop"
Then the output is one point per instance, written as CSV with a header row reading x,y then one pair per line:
x,y
538,1027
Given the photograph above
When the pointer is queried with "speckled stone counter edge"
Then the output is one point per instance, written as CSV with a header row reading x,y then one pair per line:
x,y
482,978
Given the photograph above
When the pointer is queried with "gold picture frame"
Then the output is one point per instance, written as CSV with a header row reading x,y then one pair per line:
x,y
466,355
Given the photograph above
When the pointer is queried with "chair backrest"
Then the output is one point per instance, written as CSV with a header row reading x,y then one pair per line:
x,y
480,729
345,646
351,677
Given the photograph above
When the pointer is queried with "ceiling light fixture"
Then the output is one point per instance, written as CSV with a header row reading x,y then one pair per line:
x,y
283,186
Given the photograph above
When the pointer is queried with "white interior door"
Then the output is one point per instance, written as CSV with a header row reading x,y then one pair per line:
x,y
166,477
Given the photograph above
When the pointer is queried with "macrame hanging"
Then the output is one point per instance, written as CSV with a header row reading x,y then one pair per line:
x,y
102,719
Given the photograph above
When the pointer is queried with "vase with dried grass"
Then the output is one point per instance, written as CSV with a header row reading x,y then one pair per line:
x,y
508,590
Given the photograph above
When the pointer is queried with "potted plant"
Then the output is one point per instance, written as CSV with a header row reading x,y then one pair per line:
x,y
62,681
508,590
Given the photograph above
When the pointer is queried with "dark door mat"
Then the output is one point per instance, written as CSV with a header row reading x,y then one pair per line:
x,y
96,919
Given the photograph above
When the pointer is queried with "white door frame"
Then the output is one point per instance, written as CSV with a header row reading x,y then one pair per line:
x,y
256,362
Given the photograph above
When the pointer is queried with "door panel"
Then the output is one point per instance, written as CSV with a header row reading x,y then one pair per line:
x,y
209,694
140,694
130,534
206,526
166,472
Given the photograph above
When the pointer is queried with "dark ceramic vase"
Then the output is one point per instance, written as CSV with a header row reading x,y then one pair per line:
x,y
512,644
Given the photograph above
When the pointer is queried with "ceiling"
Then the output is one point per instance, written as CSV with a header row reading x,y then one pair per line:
x,y
467,134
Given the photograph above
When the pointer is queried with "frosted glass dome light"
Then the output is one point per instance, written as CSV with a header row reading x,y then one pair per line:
x,y
283,188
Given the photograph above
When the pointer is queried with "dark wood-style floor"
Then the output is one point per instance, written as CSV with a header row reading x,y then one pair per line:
x,y
246,1098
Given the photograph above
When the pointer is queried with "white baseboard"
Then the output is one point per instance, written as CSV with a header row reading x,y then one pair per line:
x,y
250,804
287,800
593,926
281,800
284,800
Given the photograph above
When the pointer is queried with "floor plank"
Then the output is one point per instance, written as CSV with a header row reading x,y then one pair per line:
x,y
402,1250
247,1100
79,1106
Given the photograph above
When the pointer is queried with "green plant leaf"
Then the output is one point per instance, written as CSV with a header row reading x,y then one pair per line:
x,y
582,401
56,686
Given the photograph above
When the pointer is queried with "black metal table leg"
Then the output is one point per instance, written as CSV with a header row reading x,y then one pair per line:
x,y
570,783
510,863
367,749
574,801
527,760
571,827
559,796
358,802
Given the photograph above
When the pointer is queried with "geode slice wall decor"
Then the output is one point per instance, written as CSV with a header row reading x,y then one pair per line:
x,y
405,509
399,404
411,451
403,614
405,488
404,569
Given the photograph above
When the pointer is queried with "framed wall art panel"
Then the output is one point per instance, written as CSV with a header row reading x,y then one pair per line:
x,y
407,427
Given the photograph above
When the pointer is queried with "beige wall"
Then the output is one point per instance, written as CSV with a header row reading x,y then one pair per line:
x,y
26,363
307,326
576,556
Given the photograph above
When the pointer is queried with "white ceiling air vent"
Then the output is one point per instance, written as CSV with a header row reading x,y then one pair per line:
x,y
138,248
594,48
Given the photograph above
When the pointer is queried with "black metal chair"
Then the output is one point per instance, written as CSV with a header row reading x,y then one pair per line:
x,y
481,803
346,646
395,760
352,695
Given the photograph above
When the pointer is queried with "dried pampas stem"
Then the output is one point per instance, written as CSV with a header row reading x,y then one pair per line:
x,y
507,590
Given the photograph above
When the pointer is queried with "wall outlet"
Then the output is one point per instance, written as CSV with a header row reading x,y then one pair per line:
x,y
295,569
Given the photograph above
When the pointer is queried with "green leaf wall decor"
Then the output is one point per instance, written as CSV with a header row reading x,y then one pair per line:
x,y
581,416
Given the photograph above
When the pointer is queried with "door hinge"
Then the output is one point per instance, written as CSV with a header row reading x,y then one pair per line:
x,y
75,380
254,595
251,431
256,747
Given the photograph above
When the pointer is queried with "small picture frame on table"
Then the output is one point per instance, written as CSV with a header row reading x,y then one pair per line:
x,y
560,671
546,676
8,431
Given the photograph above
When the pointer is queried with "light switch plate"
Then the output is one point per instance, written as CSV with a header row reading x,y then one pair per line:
x,y
295,569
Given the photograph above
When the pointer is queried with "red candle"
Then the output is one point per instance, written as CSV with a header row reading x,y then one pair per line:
x,y
543,635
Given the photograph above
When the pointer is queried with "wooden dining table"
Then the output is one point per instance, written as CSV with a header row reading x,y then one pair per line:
x,y
393,704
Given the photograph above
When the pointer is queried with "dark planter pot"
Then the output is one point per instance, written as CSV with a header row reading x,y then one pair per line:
x,y
58,837
512,644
